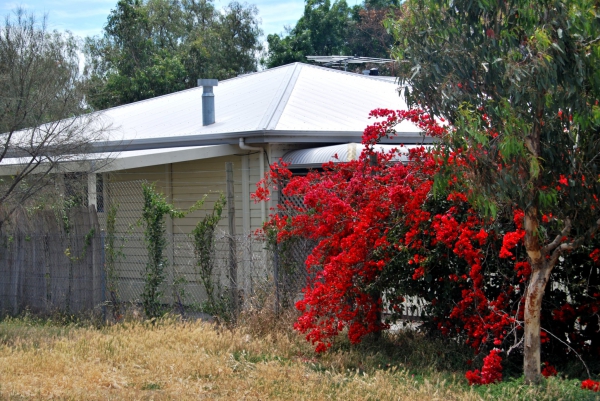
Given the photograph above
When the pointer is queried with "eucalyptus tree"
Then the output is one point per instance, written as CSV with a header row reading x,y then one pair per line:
x,y
519,81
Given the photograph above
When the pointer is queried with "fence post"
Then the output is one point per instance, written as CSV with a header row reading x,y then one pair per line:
x,y
376,296
103,272
232,245
170,250
276,276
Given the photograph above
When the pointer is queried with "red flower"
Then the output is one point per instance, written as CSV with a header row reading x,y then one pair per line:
x,y
563,180
549,370
595,255
590,384
510,241
491,371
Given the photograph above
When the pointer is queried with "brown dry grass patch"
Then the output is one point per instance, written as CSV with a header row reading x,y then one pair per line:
x,y
171,359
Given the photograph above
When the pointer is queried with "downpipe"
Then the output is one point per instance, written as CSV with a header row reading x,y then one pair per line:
x,y
261,161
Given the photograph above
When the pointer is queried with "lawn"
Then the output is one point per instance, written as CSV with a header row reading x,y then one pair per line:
x,y
260,359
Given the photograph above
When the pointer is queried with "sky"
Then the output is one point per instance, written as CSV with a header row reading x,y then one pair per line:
x,y
87,17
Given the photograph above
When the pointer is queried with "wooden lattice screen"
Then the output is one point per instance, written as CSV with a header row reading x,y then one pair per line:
x,y
291,257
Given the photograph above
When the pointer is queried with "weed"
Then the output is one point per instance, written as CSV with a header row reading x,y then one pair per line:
x,y
151,386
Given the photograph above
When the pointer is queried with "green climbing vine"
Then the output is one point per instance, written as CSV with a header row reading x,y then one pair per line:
x,y
87,242
112,253
154,211
204,249
153,219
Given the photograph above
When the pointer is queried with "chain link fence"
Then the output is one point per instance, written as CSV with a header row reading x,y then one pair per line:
x,y
184,290
249,285
74,258
52,262
290,272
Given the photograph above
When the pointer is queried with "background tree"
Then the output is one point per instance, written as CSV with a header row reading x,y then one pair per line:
x,y
42,120
519,82
154,47
334,28
368,36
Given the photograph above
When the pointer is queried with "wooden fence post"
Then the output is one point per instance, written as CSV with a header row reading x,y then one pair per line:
x,y
276,276
232,244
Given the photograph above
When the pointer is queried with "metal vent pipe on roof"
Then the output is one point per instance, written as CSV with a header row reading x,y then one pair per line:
x,y
208,100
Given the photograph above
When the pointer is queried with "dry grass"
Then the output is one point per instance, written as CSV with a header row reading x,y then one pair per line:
x,y
171,359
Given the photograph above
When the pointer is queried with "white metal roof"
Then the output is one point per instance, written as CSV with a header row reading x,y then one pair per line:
x,y
293,103
316,157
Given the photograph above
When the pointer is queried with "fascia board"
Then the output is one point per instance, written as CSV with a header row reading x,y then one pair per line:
x,y
117,162
65,167
253,137
206,152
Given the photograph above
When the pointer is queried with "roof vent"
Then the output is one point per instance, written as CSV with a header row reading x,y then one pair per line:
x,y
208,100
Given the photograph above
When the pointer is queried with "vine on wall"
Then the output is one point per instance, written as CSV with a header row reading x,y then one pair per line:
x,y
112,253
153,219
204,249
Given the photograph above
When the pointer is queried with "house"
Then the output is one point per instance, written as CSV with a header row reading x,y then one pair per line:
x,y
258,119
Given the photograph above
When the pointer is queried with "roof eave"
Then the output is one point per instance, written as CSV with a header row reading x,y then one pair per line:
x,y
252,137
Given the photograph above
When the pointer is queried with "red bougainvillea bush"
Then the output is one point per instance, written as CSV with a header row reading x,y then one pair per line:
x,y
386,230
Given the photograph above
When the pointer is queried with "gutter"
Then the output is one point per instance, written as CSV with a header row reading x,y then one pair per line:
x,y
254,137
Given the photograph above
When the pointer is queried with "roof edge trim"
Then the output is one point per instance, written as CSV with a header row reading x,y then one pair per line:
x,y
252,137
126,162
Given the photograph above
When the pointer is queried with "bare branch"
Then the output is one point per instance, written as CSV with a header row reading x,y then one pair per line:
x,y
43,120
571,348
557,241
569,246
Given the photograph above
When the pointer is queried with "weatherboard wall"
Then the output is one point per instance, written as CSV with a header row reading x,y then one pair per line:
x,y
184,184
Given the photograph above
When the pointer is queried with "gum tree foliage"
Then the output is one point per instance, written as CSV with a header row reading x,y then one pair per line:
x,y
154,47
42,120
519,82
332,28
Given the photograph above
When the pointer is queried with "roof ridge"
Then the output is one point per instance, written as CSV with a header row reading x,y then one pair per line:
x,y
295,64
189,89
279,101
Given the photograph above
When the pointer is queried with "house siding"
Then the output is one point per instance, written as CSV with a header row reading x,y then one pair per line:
x,y
184,184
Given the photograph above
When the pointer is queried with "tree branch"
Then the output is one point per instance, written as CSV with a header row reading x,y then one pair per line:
x,y
557,241
557,249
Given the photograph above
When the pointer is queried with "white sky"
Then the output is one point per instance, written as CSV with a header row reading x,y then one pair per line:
x,y
87,17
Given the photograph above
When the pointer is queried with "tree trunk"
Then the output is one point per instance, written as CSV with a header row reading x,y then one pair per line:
x,y
540,273
533,307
